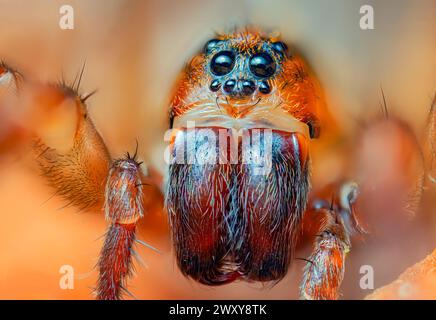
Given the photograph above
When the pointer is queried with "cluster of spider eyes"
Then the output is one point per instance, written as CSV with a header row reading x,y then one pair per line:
x,y
261,64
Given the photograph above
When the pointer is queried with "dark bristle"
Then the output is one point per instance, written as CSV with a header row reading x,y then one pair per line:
x,y
133,157
86,97
332,201
76,86
136,149
73,88
142,184
385,106
67,89
303,259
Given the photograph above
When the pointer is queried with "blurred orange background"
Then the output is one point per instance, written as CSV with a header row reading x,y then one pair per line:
x,y
133,52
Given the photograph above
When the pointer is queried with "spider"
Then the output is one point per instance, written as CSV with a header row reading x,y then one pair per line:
x,y
242,119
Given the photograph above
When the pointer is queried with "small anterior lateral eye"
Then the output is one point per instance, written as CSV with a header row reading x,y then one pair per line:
x,y
222,63
210,45
262,65
280,47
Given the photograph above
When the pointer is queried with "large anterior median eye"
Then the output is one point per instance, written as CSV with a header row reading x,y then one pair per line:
x,y
222,63
262,65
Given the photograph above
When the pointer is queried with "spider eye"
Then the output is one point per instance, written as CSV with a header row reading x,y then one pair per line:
x,y
262,65
210,45
280,47
222,63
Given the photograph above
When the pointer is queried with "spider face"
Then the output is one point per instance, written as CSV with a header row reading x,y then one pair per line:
x,y
240,72
246,80
228,221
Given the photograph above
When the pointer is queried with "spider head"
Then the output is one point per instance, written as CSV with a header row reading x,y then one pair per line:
x,y
251,76
243,65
